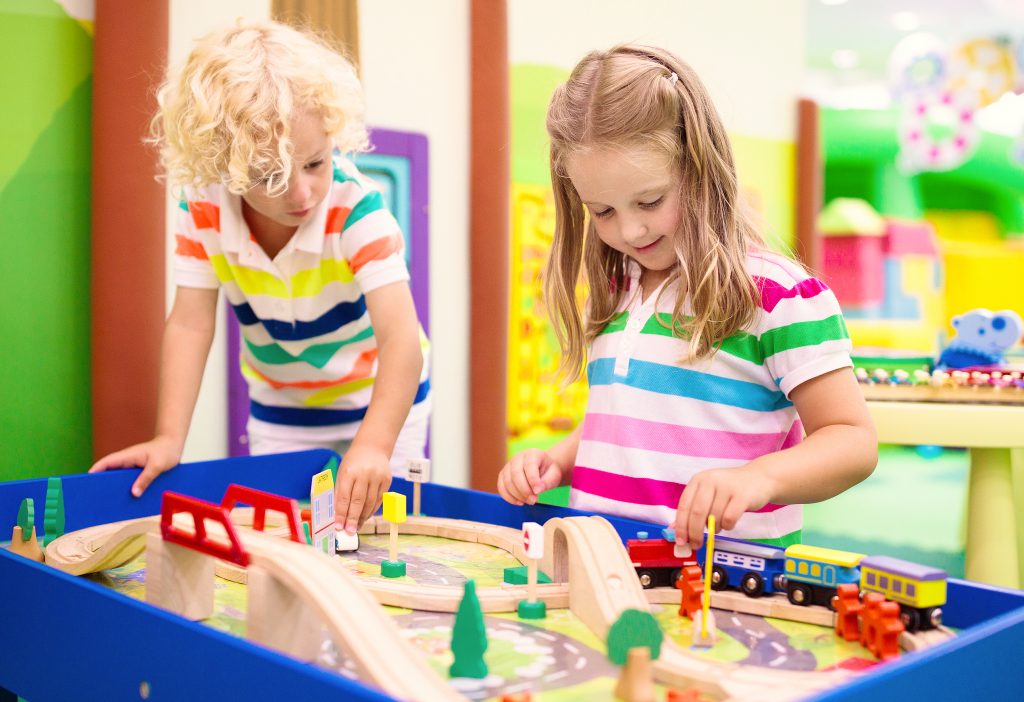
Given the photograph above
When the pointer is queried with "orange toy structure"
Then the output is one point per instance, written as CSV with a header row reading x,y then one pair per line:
x,y
887,632
869,618
691,584
848,608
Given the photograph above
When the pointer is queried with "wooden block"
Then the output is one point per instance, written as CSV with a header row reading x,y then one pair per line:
x,y
279,619
636,683
29,548
178,578
418,526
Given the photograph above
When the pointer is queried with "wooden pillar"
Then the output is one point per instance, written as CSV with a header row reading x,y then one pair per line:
x,y
339,18
128,222
490,191
810,184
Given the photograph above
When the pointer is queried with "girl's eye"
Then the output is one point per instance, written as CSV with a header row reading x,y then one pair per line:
x,y
603,213
652,205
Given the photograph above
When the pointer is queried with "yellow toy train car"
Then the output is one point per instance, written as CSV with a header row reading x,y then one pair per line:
x,y
919,590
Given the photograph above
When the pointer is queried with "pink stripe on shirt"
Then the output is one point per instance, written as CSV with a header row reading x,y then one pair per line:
x,y
642,491
679,440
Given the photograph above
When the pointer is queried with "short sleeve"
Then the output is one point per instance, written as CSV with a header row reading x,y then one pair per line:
x,y
803,334
192,266
371,240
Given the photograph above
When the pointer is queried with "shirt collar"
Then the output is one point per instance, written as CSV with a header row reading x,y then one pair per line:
x,y
234,231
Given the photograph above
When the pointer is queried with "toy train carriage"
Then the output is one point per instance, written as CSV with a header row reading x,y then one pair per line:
x,y
658,562
752,567
813,573
919,590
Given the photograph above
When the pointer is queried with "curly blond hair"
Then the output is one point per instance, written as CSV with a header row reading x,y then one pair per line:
x,y
224,116
645,97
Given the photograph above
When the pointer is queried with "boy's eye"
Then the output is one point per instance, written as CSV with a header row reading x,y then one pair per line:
x,y
315,164
653,204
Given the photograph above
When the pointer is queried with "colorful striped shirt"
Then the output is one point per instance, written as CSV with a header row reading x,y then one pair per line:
x,y
308,352
652,422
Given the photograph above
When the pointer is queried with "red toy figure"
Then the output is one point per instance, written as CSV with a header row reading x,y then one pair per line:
x,y
869,619
517,697
691,584
848,608
887,632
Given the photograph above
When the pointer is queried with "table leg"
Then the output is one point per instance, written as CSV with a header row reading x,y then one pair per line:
x,y
991,523
1017,463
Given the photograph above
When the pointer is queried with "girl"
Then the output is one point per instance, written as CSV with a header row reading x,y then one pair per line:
x,y
708,357
253,127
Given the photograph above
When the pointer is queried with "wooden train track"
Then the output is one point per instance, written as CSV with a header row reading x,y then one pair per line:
x,y
593,576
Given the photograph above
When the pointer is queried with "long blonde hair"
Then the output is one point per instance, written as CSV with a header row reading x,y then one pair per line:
x,y
627,97
225,116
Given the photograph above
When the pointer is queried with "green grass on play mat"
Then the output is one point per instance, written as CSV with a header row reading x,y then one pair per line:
x,y
911,507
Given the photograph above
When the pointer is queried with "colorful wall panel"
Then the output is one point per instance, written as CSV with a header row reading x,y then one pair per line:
x,y
45,415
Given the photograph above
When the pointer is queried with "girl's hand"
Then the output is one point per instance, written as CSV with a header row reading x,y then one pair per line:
x,y
156,456
527,475
724,492
363,478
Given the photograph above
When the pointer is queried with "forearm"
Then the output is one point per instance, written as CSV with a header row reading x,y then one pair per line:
x,y
564,454
400,362
184,351
829,461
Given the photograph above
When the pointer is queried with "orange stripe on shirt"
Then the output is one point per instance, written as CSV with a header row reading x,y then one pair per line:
x,y
189,247
206,215
375,251
362,369
336,218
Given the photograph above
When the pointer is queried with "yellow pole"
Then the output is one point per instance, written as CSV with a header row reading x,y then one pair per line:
x,y
707,577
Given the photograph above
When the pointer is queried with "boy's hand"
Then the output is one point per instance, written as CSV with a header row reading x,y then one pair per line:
x,y
724,492
363,478
527,475
155,456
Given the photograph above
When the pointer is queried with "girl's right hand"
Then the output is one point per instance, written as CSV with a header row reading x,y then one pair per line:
x,y
527,475
156,456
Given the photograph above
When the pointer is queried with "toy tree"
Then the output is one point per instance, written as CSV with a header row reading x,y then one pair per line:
x,y
53,514
469,637
632,629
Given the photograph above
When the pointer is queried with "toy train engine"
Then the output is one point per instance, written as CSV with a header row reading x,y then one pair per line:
x,y
658,562
752,567
814,573
919,590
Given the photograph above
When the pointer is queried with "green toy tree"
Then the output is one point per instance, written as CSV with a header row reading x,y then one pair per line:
x,y
469,637
633,628
53,513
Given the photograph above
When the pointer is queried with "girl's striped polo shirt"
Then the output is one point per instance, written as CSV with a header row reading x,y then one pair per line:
x,y
653,422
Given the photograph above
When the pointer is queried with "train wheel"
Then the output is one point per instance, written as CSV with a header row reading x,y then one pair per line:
x,y
674,576
932,618
719,578
799,593
646,578
911,619
752,585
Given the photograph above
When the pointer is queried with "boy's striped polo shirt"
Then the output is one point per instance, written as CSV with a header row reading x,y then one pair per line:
x,y
653,422
308,349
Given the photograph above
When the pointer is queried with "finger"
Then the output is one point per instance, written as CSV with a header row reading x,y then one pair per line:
x,y
342,497
718,509
732,513
147,476
552,476
374,496
121,459
504,488
520,485
531,474
355,507
698,517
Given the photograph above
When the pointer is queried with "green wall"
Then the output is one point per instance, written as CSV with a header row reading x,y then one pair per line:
x,y
45,425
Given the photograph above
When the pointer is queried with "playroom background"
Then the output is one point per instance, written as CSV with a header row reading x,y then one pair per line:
x,y
883,145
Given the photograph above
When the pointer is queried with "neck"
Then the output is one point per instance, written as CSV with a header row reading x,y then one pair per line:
x,y
270,235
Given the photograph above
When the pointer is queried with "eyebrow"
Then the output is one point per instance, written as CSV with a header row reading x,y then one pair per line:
x,y
636,196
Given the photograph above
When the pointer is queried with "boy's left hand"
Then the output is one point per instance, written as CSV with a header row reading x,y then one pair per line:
x,y
363,478
724,492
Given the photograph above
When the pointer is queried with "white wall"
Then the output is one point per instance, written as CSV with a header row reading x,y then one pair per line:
x,y
207,437
414,61
749,53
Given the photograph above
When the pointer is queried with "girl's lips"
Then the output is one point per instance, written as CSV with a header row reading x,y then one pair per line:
x,y
650,246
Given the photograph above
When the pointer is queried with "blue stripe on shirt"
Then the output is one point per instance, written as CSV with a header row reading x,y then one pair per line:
x,y
318,417
333,319
682,382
